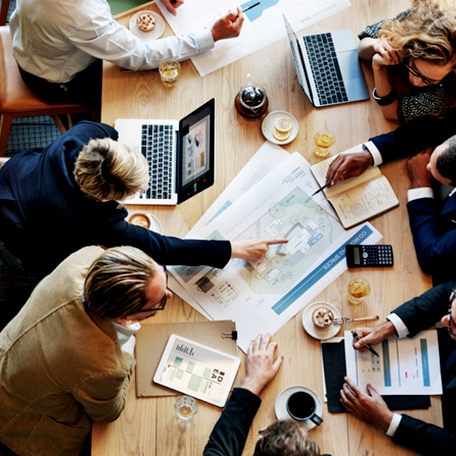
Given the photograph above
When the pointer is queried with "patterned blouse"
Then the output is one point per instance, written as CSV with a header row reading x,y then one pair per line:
x,y
423,100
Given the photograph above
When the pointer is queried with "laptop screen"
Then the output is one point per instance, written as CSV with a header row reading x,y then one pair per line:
x,y
196,151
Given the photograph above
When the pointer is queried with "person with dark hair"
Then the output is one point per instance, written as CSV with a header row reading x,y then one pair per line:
x,y
432,211
66,358
436,304
57,200
284,437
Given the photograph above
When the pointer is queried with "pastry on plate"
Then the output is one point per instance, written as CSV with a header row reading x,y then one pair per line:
x,y
322,317
146,22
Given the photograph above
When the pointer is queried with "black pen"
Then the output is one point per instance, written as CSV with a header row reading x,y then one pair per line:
x,y
322,188
356,337
250,7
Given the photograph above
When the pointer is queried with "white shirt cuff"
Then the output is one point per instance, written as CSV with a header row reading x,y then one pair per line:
x,y
395,422
399,325
205,40
376,155
418,193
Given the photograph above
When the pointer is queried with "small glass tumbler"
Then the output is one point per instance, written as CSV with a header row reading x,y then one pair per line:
x,y
169,72
324,140
186,408
357,290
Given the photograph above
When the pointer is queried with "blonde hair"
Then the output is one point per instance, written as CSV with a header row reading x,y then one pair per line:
x,y
427,32
117,281
107,170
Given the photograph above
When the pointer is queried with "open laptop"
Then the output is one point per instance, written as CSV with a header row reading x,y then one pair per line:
x,y
180,154
328,67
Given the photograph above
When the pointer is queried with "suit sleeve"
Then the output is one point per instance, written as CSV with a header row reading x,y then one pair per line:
x,y
434,249
167,250
415,136
425,438
230,432
423,311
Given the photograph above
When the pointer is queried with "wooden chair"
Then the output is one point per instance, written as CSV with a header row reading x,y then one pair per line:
x,y
17,100
4,6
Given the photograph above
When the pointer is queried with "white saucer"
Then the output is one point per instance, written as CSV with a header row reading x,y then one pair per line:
x,y
281,404
267,127
314,331
156,33
155,224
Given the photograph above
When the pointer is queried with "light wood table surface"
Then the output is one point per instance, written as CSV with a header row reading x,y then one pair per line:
x,y
147,426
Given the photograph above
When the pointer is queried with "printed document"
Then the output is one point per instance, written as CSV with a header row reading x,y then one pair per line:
x,y
263,24
406,366
262,296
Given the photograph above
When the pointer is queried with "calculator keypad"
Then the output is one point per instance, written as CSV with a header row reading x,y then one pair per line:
x,y
376,255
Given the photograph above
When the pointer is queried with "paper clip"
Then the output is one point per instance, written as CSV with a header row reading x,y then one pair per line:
x,y
230,335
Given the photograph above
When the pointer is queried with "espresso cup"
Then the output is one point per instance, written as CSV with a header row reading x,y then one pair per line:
x,y
301,406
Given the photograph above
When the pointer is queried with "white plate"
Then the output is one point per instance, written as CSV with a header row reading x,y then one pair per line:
x,y
281,404
267,127
315,331
154,223
156,33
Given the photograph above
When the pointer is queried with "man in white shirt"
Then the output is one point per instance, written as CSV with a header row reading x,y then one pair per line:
x,y
59,45
438,303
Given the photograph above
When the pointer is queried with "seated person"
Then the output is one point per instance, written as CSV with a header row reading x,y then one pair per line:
x,y
284,437
413,60
55,201
66,359
408,320
431,219
59,54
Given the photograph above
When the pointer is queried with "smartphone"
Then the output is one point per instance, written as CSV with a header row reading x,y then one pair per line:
x,y
369,256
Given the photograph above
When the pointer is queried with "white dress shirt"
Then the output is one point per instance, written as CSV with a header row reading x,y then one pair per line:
x,y
56,39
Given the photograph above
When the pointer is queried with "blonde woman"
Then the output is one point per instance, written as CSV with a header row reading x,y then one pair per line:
x,y
65,197
413,60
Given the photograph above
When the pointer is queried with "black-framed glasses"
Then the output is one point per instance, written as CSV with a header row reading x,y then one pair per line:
x,y
163,300
417,74
450,318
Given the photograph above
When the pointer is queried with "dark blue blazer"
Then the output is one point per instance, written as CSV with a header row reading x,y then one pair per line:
x,y
424,438
432,224
44,217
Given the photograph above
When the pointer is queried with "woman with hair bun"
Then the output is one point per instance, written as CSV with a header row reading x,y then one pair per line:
x,y
414,60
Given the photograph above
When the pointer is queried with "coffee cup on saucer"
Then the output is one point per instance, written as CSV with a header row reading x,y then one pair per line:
x,y
302,406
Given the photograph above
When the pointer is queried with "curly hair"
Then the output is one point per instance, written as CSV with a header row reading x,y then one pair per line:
x,y
108,170
286,438
427,32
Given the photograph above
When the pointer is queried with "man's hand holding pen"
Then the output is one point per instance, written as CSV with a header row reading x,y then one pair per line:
x,y
348,165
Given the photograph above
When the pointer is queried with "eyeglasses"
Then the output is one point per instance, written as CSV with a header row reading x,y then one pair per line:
x,y
164,299
450,319
417,74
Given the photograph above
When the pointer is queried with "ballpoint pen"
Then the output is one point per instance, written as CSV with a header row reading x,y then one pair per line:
x,y
356,337
251,6
322,188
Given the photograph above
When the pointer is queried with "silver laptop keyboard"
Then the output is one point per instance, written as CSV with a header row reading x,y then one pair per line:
x,y
157,145
325,69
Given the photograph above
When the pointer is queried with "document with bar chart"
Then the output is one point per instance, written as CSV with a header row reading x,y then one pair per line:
x,y
406,366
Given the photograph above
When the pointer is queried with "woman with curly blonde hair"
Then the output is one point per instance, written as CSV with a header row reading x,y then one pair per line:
x,y
413,59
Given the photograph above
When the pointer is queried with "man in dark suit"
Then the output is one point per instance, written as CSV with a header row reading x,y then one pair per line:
x,y
438,303
432,212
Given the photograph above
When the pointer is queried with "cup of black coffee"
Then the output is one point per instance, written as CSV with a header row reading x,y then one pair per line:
x,y
302,406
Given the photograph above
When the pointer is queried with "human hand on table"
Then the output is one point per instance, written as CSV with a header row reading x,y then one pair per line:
x,y
373,335
384,55
253,249
348,165
369,407
172,5
228,26
417,170
260,365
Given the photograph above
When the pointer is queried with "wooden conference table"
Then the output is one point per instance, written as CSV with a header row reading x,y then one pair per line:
x,y
147,426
